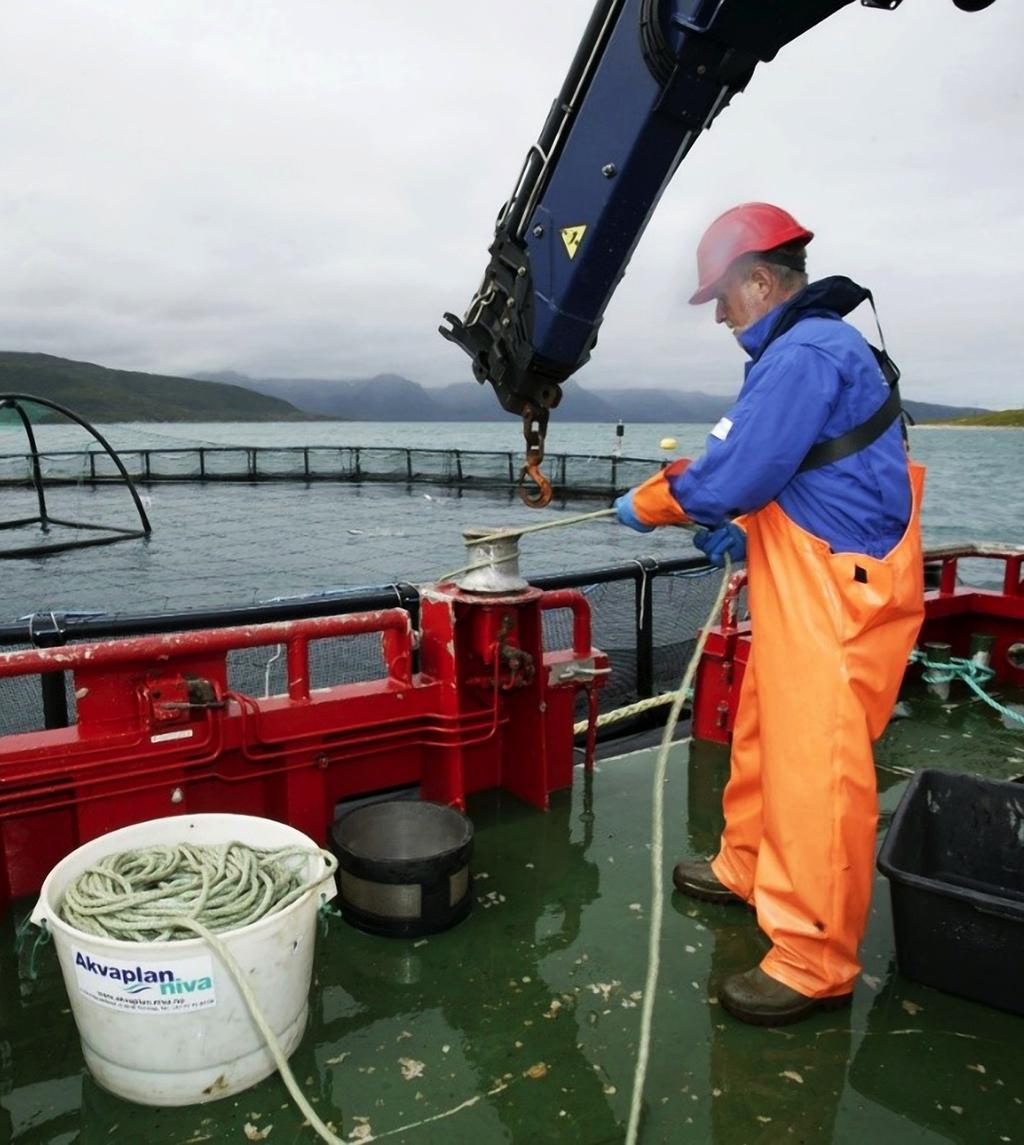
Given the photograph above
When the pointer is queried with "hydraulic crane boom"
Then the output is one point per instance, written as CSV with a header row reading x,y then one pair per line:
x,y
648,77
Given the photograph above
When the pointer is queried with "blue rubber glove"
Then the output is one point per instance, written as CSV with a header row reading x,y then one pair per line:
x,y
728,539
625,514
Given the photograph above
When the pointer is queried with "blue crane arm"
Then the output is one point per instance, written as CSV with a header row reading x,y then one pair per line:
x,y
648,77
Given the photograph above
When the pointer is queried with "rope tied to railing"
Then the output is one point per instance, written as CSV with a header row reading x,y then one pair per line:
x,y
628,711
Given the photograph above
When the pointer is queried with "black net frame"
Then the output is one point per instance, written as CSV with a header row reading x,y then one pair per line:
x,y
95,534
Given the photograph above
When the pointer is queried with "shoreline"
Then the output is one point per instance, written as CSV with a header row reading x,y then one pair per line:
x,y
942,426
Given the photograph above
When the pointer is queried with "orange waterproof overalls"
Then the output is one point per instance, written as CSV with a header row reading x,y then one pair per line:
x,y
831,637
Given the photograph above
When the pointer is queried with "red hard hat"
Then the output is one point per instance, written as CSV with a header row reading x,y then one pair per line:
x,y
745,229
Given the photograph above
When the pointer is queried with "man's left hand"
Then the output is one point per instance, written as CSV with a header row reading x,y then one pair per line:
x,y
625,514
727,540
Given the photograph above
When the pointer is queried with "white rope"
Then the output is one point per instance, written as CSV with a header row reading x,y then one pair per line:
x,y
560,523
657,858
273,1044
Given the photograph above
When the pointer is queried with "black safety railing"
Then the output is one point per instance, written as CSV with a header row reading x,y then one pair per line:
x,y
645,617
579,474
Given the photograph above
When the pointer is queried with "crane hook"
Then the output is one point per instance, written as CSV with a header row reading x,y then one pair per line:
x,y
535,424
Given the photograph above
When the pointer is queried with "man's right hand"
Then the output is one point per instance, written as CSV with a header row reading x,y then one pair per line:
x,y
727,540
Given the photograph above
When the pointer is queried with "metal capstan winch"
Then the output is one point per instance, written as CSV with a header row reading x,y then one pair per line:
x,y
494,562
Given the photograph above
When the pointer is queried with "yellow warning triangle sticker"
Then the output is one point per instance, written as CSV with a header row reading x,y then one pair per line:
x,y
572,237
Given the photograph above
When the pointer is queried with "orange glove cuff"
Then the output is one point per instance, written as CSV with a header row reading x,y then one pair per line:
x,y
654,502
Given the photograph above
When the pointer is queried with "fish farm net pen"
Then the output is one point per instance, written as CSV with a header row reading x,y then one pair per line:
x,y
164,893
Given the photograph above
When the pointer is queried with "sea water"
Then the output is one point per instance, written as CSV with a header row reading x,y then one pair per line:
x,y
236,543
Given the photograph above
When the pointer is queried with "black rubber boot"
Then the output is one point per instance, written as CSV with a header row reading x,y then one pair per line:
x,y
697,880
761,1000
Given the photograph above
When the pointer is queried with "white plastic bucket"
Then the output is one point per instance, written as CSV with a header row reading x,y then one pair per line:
x,y
162,1023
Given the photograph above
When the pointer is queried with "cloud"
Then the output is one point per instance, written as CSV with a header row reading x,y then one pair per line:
x,y
302,189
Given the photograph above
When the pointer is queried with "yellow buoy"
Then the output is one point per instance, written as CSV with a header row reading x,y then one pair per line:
x,y
668,443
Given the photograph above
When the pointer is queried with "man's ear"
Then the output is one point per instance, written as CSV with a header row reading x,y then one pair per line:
x,y
762,279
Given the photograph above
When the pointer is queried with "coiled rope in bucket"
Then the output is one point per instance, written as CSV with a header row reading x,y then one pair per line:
x,y
173,893
155,894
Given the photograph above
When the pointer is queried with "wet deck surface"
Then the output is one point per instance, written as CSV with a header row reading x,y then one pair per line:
x,y
521,1024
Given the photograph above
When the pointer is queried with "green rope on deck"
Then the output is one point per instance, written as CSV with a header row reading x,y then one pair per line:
x,y
973,674
22,933
173,893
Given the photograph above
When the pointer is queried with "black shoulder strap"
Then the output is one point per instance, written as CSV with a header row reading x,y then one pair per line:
x,y
858,438
861,436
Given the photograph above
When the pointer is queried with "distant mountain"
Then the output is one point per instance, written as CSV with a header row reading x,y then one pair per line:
x,y
665,405
102,395
468,401
386,397
390,397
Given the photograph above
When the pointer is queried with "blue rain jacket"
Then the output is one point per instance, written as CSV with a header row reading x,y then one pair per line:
x,y
814,382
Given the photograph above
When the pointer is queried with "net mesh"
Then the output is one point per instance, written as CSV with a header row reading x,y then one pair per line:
x,y
21,701
680,607
492,468
433,466
224,462
101,465
261,672
613,631
278,462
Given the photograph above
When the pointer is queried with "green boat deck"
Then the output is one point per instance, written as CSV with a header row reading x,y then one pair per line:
x,y
521,1024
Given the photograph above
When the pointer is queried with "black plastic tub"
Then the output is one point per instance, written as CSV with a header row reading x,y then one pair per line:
x,y
954,857
404,867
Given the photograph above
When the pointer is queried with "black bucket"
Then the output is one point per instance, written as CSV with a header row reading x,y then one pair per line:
x,y
404,867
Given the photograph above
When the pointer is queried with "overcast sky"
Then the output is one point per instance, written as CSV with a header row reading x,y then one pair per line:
x,y
302,187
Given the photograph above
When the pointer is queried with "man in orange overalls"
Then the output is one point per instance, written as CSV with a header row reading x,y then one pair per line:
x,y
807,478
